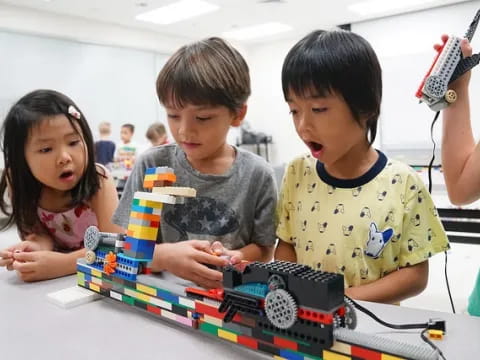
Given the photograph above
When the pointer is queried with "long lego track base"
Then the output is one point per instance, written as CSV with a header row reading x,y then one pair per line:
x,y
190,309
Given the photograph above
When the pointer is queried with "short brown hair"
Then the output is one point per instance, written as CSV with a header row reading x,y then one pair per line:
x,y
206,72
155,130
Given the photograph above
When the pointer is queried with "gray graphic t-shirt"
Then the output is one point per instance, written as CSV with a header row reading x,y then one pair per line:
x,y
236,208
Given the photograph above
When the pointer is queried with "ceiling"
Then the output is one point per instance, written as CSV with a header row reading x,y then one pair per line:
x,y
302,15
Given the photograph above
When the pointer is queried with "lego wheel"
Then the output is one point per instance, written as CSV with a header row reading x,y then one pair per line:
x,y
350,315
281,308
90,257
450,96
435,87
276,282
91,239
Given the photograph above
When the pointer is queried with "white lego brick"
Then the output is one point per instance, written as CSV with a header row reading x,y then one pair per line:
x,y
73,296
175,191
166,199
115,295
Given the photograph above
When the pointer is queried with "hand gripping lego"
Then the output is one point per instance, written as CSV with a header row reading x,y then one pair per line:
x,y
447,66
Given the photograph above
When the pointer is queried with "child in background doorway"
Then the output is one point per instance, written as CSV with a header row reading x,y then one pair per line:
x,y
157,134
346,207
204,87
104,148
56,190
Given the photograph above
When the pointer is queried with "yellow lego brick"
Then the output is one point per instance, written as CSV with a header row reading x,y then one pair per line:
x,y
327,355
94,287
137,295
278,357
150,204
390,357
96,273
341,347
435,334
227,335
147,289
80,278
142,232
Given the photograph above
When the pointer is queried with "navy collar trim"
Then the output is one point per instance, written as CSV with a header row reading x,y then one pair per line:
x,y
353,183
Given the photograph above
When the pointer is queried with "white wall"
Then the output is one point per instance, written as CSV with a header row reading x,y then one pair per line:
x,y
108,83
404,45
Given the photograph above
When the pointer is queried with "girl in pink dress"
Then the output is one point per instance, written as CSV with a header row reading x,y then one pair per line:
x,y
55,188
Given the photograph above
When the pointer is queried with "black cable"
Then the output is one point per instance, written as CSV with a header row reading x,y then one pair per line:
x,y
384,323
430,165
448,285
435,347
433,152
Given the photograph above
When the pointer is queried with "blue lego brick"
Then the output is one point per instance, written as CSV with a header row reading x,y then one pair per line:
x,y
142,209
255,289
150,171
290,355
164,295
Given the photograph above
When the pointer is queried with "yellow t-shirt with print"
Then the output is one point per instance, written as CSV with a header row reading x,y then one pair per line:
x,y
362,228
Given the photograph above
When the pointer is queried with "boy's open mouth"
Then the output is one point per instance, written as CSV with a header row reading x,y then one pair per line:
x,y
315,146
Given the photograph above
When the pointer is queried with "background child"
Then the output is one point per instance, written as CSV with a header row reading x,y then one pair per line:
x,y
461,156
127,149
104,148
156,134
346,208
204,87
55,187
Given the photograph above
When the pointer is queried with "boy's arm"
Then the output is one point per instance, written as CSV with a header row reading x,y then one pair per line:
x,y
395,287
460,154
285,252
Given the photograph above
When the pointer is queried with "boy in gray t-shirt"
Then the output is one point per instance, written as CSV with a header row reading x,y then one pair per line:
x,y
204,87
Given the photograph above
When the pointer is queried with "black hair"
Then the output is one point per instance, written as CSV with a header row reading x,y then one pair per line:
x,y
131,127
17,179
339,62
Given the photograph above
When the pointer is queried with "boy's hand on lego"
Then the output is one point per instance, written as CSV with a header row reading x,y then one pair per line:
x,y
462,81
7,255
189,260
39,265
232,256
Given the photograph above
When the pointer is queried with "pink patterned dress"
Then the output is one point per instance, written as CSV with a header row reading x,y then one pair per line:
x,y
67,228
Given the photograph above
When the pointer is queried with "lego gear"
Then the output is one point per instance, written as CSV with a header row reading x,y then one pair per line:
x,y
280,308
276,282
90,257
91,239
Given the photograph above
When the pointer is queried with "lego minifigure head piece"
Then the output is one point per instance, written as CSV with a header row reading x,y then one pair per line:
x,y
339,62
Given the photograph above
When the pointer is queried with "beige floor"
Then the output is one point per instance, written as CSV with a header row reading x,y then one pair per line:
x,y
463,265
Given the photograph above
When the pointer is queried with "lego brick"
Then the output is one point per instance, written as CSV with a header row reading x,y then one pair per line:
x,y
248,342
285,343
227,335
328,355
213,320
145,210
175,191
365,353
144,216
147,203
158,170
166,199
144,222
160,177
72,296
390,357
143,232
342,348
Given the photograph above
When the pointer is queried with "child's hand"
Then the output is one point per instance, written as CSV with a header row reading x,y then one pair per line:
x,y
233,256
39,265
189,260
6,255
462,81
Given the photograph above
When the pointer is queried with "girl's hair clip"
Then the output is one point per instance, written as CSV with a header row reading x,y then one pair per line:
x,y
74,112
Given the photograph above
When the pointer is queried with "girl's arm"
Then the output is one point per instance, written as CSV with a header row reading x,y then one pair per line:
x,y
250,252
104,203
460,153
396,286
